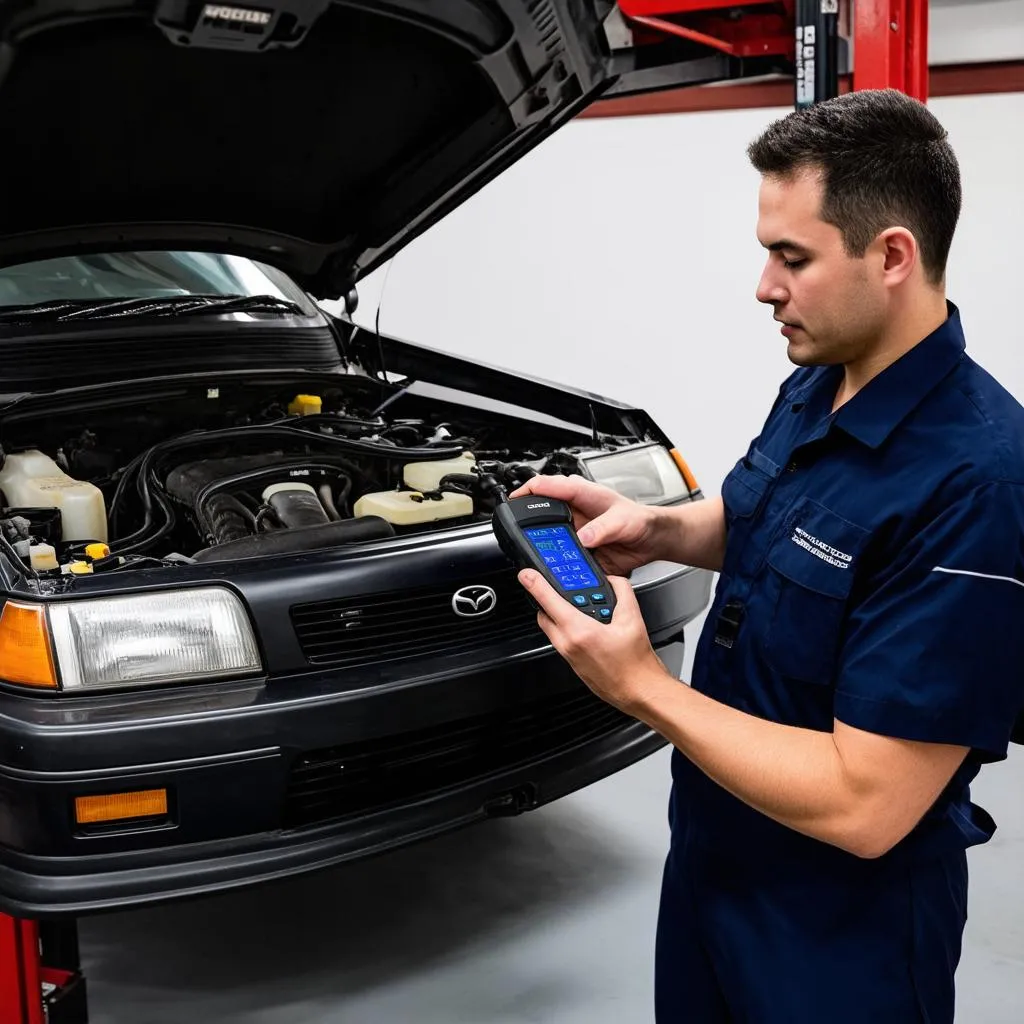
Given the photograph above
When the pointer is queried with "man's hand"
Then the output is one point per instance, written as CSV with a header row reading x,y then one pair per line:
x,y
624,533
614,659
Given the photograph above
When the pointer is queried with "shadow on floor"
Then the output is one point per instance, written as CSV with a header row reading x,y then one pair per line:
x,y
364,924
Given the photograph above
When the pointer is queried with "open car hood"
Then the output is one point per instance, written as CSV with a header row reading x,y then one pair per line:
x,y
312,135
318,136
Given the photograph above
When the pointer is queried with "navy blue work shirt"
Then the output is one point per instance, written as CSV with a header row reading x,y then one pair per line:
x,y
873,574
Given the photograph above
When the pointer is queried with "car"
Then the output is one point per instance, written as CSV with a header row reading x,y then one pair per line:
x,y
255,620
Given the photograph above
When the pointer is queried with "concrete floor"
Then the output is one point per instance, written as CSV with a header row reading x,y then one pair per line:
x,y
549,917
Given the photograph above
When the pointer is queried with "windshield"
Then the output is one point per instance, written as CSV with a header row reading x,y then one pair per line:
x,y
144,275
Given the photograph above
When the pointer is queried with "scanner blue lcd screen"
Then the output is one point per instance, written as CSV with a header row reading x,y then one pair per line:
x,y
555,545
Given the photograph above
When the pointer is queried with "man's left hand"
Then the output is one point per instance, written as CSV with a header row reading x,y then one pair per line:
x,y
615,659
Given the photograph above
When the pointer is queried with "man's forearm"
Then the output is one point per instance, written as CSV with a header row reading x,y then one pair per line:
x,y
693,534
795,776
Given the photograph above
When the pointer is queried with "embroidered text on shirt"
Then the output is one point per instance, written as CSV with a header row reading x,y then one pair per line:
x,y
827,553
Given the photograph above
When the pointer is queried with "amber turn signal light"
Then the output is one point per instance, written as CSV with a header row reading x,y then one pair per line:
x,y
25,655
691,480
143,803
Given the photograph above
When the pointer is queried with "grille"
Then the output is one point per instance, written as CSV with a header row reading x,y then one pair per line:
x,y
333,783
411,624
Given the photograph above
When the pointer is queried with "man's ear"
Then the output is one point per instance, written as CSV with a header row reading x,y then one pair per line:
x,y
900,254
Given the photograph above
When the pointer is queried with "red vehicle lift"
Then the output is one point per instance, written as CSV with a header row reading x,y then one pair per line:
x,y
889,38
40,977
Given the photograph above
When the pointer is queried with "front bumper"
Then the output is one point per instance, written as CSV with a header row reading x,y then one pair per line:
x,y
267,781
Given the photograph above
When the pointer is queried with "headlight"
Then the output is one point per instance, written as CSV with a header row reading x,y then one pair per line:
x,y
647,473
172,636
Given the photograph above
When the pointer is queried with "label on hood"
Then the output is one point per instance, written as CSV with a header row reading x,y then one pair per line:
x,y
221,12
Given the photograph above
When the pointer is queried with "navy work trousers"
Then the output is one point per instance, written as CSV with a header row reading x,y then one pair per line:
x,y
744,941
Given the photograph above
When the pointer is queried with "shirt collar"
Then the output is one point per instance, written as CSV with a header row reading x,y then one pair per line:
x,y
885,401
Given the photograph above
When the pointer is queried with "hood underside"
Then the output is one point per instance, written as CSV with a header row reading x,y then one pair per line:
x,y
318,137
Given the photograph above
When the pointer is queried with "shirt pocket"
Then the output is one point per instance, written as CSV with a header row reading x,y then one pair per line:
x,y
743,490
743,494
811,566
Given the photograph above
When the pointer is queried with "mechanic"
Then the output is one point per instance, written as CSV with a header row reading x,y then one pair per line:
x,y
862,656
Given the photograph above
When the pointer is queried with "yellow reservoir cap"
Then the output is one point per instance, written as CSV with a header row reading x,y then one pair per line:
x,y
305,405
143,803
25,655
96,550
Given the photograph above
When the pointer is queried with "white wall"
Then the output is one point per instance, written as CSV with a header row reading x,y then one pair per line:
x,y
968,31
620,257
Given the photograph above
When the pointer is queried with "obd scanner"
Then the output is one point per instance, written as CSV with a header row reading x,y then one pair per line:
x,y
537,533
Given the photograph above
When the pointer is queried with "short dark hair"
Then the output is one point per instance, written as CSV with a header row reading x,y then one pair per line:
x,y
885,160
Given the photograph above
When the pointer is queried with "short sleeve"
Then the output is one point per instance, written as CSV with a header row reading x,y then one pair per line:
x,y
935,651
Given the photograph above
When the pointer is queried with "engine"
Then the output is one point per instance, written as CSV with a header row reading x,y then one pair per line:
x,y
131,486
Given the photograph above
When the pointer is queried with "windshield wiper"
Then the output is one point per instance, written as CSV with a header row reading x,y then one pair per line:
x,y
242,304
175,306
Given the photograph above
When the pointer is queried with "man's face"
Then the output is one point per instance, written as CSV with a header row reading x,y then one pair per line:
x,y
832,305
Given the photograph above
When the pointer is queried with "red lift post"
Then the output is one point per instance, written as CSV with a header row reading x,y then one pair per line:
x,y
40,978
20,980
890,42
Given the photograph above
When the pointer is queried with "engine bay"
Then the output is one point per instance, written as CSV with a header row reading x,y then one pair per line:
x,y
210,472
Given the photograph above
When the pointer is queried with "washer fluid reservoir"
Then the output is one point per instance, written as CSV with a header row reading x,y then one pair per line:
x,y
33,480
411,508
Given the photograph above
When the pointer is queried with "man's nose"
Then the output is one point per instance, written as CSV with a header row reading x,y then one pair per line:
x,y
769,289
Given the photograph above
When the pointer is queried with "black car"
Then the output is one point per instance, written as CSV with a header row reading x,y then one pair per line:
x,y
255,618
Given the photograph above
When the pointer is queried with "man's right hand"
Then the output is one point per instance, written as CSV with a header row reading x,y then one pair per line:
x,y
623,533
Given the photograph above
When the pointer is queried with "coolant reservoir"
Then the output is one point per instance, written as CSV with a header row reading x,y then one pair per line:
x,y
33,480
425,476
410,508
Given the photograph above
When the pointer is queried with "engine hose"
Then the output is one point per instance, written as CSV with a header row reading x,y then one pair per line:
x,y
460,480
327,498
148,536
229,519
520,473
341,502
326,418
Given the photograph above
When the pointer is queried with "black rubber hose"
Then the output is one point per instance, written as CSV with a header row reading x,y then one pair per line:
x,y
229,519
327,499
465,481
